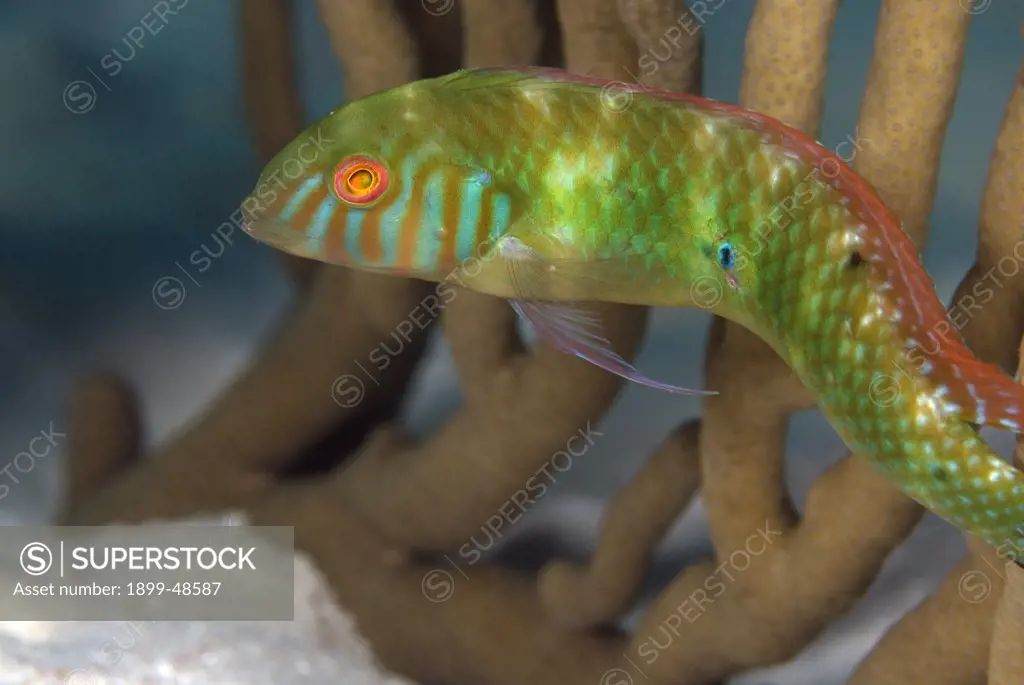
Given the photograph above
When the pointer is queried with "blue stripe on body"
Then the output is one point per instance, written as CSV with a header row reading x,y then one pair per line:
x,y
500,214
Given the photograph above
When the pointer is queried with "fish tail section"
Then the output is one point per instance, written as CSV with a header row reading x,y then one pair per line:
x,y
970,486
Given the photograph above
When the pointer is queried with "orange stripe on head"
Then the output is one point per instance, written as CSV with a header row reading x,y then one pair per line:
x,y
409,226
450,235
334,241
304,216
370,243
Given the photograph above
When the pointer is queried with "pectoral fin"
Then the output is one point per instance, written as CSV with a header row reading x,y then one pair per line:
x,y
570,326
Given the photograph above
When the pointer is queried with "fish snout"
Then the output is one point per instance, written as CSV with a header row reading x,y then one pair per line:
x,y
281,214
274,231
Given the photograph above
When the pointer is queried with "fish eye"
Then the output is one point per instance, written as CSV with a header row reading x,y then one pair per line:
x,y
726,256
360,181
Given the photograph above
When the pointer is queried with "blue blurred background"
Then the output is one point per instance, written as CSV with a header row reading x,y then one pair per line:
x,y
97,206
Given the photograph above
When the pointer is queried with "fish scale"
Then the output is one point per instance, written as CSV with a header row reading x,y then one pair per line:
x,y
643,200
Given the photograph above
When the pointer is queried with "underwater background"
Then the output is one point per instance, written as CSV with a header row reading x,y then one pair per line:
x,y
110,257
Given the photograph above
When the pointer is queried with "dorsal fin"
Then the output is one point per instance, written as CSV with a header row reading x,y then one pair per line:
x,y
979,393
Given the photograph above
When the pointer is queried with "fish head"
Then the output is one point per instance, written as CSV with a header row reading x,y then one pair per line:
x,y
377,185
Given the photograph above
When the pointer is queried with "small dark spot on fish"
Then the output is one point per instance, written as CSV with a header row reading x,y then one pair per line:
x,y
856,259
940,473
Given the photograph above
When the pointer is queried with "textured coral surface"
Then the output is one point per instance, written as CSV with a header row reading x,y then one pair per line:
x,y
383,512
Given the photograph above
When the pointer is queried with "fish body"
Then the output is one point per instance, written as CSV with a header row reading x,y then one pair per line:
x,y
561,185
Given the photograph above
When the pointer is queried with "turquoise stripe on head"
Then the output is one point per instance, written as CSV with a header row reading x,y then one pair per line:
x,y
301,194
471,195
501,213
391,219
320,224
353,230
428,242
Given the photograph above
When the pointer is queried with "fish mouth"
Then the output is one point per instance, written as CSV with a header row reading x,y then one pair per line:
x,y
274,232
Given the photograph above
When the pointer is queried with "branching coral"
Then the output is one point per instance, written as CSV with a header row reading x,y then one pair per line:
x,y
375,523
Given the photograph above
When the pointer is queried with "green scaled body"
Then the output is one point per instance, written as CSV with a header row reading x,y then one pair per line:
x,y
622,194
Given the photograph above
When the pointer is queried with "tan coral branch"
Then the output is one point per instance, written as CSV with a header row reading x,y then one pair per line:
x,y
945,639
633,525
912,85
669,40
988,305
595,41
375,46
500,32
1006,659
104,436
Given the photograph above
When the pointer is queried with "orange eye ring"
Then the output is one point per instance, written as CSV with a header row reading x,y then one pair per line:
x,y
360,181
